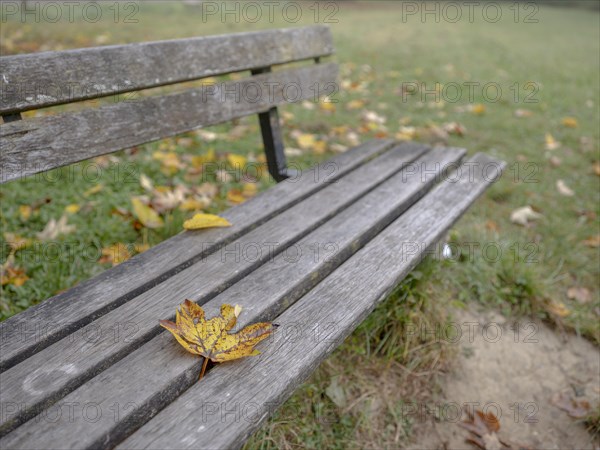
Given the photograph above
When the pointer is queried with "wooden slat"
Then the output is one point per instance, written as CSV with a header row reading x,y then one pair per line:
x,y
43,79
320,321
31,146
58,369
153,375
41,325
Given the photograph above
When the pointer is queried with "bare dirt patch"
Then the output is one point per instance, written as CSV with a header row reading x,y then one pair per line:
x,y
514,376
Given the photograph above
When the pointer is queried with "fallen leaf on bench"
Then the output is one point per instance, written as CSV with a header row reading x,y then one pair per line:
x,y
524,215
205,221
146,215
210,338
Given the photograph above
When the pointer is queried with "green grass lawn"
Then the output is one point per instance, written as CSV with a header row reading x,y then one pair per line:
x,y
547,71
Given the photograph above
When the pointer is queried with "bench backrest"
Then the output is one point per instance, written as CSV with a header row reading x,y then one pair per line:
x,y
33,81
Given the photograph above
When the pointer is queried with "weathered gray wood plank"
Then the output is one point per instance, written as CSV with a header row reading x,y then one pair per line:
x,y
37,327
32,146
235,398
58,369
50,78
152,376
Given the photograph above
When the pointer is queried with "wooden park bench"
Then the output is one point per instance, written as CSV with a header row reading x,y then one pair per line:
x,y
91,367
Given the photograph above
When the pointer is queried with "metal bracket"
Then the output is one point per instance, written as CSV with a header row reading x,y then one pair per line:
x,y
11,117
273,140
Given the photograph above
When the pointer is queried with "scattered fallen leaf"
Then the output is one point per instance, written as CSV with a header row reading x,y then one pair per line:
x,y
55,228
146,215
563,189
406,133
73,208
305,141
555,161
478,109
25,212
115,254
558,309
483,428
492,225
596,167
355,104
16,242
570,122
551,143
146,183
199,161
581,294
235,196
193,204
211,338
93,190
168,199
523,113
523,216
593,241
12,275
236,161
576,408
454,128
205,221
249,189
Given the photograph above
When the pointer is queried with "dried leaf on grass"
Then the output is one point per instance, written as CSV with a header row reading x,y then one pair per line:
x,y
55,228
484,428
576,408
524,215
200,221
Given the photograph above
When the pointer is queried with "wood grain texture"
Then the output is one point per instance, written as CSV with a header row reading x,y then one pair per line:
x,y
50,78
155,374
39,326
235,398
52,373
43,143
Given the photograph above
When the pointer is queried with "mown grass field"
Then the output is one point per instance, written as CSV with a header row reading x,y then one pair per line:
x,y
547,72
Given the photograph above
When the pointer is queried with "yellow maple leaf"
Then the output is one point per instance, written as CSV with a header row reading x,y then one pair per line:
x,y
551,143
211,338
205,221
199,161
146,215
17,242
93,190
305,141
478,109
73,208
236,161
249,190
235,196
25,212
115,254
570,122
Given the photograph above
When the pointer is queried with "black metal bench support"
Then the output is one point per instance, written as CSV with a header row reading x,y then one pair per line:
x,y
273,140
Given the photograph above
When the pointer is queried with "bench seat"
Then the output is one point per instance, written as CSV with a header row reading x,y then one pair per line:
x,y
314,254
